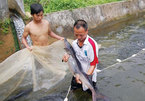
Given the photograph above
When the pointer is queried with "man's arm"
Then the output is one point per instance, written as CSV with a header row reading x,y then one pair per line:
x,y
52,34
91,70
25,34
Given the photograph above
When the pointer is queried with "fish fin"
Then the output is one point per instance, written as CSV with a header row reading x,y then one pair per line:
x,y
67,50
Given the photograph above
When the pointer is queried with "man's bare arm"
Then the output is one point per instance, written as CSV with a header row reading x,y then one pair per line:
x,y
91,70
52,34
25,34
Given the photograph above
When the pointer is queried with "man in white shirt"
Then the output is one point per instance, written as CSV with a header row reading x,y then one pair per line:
x,y
86,49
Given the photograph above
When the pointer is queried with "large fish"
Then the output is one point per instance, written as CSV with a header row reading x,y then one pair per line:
x,y
76,67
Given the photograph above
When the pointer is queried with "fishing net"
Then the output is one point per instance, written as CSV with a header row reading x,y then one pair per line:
x,y
42,68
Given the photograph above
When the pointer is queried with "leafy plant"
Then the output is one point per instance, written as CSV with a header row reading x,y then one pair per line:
x,y
4,26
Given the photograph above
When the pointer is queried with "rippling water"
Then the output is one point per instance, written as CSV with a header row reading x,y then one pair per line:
x,y
121,44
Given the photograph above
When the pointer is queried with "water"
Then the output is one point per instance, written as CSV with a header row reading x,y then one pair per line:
x,y
120,81
121,44
123,81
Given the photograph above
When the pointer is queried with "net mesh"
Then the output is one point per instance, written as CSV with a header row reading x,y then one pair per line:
x,y
42,68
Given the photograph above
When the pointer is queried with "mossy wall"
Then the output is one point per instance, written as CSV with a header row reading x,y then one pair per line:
x,y
99,15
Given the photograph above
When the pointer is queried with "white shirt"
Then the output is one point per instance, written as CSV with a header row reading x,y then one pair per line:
x,y
87,54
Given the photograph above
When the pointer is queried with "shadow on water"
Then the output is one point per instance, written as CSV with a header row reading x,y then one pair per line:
x,y
52,98
77,95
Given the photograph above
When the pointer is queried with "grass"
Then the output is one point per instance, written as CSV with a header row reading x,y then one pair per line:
x,y
58,5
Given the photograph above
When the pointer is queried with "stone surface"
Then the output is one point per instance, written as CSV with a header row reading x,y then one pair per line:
x,y
3,9
95,15
17,5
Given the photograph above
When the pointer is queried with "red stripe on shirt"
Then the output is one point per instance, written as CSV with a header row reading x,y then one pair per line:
x,y
95,61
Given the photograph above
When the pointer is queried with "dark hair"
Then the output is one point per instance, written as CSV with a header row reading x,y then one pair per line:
x,y
81,23
36,8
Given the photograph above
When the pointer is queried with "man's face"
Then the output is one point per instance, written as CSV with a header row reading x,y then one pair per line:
x,y
80,33
38,17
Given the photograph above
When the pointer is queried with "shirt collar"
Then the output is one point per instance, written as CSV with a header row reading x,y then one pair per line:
x,y
86,40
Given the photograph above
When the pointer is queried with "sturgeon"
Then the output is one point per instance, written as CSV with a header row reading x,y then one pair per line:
x,y
75,67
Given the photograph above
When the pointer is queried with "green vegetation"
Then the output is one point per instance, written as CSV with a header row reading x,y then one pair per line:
x,y
58,5
27,4
1,42
4,26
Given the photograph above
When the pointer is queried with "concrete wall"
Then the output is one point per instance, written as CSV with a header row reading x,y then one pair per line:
x,y
62,22
3,9
17,5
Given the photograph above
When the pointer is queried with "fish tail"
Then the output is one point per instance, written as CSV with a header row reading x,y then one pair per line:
x,y
98,96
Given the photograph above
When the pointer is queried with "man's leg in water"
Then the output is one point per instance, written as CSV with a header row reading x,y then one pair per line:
x,y
74,84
